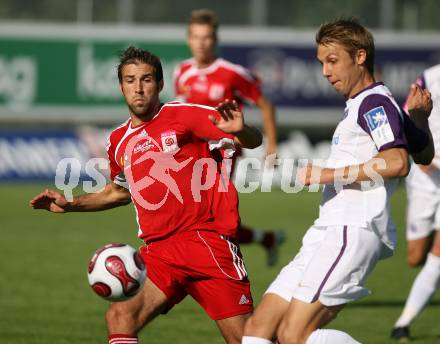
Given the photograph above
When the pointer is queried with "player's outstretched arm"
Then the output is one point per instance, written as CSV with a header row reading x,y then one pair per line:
x,y
111,196
231,121
387,164
269,124
419,106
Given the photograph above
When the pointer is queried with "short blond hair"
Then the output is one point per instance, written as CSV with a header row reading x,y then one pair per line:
x,y
205,17
351,35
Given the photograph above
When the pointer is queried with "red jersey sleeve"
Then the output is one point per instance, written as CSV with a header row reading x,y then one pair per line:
x,y
247,85
196,119
114,168
116,173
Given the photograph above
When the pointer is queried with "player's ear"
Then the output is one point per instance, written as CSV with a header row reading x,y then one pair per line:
x,y
361,56
160,85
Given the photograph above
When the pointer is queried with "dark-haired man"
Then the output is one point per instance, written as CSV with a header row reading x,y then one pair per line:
x,y
160,159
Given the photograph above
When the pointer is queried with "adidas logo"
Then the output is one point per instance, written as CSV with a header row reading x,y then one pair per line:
x,y
243,300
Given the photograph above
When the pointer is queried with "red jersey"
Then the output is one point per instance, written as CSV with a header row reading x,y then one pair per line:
x,y
215,83
165,165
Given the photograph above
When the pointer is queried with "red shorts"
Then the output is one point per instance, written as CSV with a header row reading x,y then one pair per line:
x,y
205,265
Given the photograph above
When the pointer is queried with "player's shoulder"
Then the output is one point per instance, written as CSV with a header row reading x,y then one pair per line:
x,y
176,106
435,70
235,68
378,101
373,94
118,132
184,65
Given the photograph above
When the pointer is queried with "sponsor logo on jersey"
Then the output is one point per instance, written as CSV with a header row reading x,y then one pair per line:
x,y
143,147
380,128
169,141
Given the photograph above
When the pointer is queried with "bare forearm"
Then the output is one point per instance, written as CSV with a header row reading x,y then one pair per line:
x,y
389,164
107,198
269,124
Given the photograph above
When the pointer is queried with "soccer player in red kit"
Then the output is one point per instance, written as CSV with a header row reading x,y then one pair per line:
x,y
160,159
207,79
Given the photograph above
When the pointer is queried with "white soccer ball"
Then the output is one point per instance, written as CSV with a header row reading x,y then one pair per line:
x,y
116,272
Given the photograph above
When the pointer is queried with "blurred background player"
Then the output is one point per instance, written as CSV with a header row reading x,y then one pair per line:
x,y
153,158
423,218
354,229
208,80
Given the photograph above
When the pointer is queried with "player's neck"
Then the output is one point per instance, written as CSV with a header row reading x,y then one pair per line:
x,y
201,64
137,120
364,82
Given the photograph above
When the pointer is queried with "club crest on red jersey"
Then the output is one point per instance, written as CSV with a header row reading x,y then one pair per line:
x,y
169,141
216,92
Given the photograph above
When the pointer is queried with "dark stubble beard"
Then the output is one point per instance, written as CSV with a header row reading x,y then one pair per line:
x,y
144,113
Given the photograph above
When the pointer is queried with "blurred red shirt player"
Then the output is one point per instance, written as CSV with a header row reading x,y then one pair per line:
x,y
209,80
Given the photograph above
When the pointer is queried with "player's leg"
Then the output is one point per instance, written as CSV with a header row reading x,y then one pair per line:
x,y
220,283
422,216
334,276
269,239
232,328
263,324
302,319
162,290
421,209
423,288
128,317
417,250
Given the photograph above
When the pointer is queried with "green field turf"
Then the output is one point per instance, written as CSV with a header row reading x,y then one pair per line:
x,y
45,298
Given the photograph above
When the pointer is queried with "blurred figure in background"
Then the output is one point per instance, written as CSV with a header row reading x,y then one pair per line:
x,y
423,218
208,80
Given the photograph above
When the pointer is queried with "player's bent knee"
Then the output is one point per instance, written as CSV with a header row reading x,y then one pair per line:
x,y
288,335
119,317
416,259
256,326
250,325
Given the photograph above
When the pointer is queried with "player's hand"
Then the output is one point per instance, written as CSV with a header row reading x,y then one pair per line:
x,y
419,101
231,119
49,200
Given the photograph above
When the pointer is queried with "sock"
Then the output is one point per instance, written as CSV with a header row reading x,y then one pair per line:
x,y
424,286
118,338
330,337
255,340
257,235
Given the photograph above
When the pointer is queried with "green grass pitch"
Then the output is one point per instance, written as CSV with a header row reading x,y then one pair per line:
x,y
45,298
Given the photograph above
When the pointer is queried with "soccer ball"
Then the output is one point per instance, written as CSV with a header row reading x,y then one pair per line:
x,y
116,272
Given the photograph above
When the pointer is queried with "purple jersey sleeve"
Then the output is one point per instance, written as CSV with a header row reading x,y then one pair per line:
x,y
382,120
